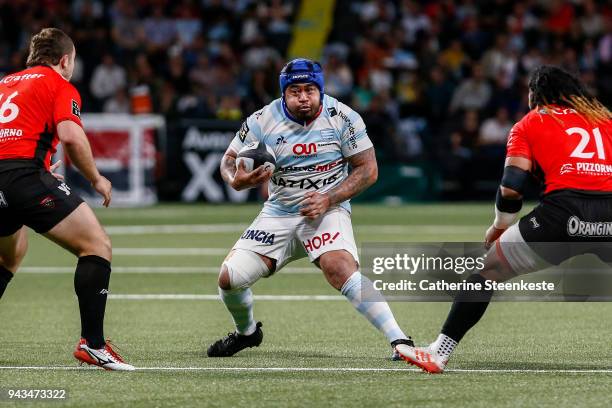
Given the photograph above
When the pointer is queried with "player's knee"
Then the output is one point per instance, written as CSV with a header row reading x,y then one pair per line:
x,y
13,260
224,280
337,267
241,269
103,245
99,244
20,251
107,246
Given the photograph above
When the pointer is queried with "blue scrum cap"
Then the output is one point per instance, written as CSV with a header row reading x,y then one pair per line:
x,y
301,70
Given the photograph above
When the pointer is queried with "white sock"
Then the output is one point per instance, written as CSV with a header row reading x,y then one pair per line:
x,y
444,346
239,303
374,308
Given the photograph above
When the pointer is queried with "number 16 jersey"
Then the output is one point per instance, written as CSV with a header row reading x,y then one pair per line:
x,y
32,103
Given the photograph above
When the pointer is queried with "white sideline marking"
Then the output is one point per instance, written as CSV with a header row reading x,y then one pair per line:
x,y
169,251
181,296
156,269
174,229
323,369
234,228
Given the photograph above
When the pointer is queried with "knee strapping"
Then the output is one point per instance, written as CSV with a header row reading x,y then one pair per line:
x,y
245,268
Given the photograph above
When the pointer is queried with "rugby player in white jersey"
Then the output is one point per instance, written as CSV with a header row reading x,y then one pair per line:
x,y
315,138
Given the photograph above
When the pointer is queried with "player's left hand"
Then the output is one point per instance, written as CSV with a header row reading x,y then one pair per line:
x,y
54,167
314,204
492,235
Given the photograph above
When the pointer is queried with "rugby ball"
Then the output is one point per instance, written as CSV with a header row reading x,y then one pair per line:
x,y
257,154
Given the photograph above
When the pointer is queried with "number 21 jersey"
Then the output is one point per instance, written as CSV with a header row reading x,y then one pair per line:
x,y
571,152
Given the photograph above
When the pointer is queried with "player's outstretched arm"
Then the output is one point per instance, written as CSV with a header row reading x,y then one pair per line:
x,y
77,147
509,197
364,173
237,176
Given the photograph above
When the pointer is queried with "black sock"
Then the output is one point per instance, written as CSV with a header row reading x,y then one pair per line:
x,y
5,278
467,309
91,286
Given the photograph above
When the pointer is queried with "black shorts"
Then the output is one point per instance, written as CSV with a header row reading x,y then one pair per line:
x,y
576,221
32,196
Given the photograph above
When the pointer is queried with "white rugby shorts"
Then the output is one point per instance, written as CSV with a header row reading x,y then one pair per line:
x,y
291,237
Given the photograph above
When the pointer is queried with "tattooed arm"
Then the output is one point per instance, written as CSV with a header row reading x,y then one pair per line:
x,y
363,174
228,166
237,177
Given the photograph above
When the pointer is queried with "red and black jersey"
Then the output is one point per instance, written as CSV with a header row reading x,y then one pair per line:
x,y
571,152
32,103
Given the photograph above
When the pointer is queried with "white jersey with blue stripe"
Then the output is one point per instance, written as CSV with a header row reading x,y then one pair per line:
x,y
310,156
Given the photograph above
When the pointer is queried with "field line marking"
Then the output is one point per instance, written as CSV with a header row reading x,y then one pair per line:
x,y
178,296
156,269
235,228
326,369
169,251
174,229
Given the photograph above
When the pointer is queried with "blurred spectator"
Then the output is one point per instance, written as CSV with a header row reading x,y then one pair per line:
x,y
414,21
338,78
438,95
260,54
408,91
362,95
107,78
469,130
453,57
494,131
413,69
374,10
250,29
381,128
188,24
472,93
505,95
494,59
261,91
126,31
474,38
560,16
229,108
455,163
201,74
591,21
177,74
605,44
159,30
118,103
589,59
531,60
278,27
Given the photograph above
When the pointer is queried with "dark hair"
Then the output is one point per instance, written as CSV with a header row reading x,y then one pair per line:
x,y
552,85
48,47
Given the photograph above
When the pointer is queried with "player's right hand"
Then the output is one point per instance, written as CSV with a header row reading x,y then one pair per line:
x,y
104,188
244,179
492,235
53,168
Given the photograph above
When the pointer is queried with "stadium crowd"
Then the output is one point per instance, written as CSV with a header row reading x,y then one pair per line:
x,y
436,80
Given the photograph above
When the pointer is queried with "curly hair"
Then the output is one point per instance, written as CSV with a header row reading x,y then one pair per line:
x,y
48,47
552,85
